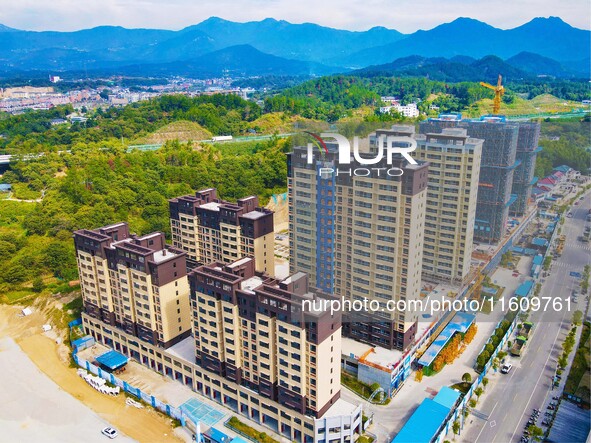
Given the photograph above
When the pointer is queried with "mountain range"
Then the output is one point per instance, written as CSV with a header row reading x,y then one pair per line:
x,y
543,46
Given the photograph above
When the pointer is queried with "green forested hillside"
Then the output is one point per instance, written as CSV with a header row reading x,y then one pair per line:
x,y
98,185
564,143
32,131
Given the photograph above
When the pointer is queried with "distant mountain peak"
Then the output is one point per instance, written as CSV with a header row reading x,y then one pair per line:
x,y
4,28
466,22
551,22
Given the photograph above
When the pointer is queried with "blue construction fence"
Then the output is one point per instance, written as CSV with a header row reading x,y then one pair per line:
x,y
457,413
169,410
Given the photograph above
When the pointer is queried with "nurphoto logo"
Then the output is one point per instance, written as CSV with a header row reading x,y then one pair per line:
x,y
387,146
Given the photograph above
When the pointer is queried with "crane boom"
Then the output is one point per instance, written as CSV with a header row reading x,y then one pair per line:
x,y
499,91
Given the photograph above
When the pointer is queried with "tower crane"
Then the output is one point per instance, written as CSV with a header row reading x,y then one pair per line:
x,y
499,91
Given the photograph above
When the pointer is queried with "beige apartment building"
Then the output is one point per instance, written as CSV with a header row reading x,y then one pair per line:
x,y
454,171
212,230
269,350
360,237
259,332
138,284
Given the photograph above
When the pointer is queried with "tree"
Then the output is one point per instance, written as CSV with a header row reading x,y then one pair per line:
x,y
496,363
472,403
15,273
419,375
38,284
467,378
483,358
478,391
562,361
470,333
536,433
456,428
577,317
484,382
438,363
57,257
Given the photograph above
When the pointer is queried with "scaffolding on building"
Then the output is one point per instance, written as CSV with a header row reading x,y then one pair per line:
x,y
497,168
523,179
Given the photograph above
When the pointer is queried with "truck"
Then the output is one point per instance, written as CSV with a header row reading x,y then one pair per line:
x,y
518,346
221,138
526,329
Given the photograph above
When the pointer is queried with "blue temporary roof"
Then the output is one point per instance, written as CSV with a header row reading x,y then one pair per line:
x,y
239,440
218,436
562,168
82,340
459,323
538,241
447,397
524,289
423,424
487,290
112,359
512,198
538,259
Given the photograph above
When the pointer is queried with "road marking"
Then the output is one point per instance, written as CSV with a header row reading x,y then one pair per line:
x,y
493,423
484,427
541,373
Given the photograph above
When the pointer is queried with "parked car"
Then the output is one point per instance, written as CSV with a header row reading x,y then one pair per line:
x,y
109,432
506,368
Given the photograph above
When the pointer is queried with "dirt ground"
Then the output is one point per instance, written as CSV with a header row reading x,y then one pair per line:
x,y
144,425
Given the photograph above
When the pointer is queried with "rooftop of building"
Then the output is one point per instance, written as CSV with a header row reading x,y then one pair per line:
x,y
254,215
211,206
340,407
386,358
250,284
163,255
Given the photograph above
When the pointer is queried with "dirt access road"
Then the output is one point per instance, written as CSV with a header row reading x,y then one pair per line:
x,y
143,425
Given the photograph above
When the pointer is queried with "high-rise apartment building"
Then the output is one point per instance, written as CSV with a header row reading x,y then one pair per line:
x,y
527,152
138,284
269,350
454,170
261,333
212,230
497,168
360,237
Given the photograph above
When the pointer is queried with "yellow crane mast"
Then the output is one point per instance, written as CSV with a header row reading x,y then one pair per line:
x,y
499,91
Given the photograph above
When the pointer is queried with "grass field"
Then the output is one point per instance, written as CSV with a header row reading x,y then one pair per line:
x,y
544,103
281,123
180,130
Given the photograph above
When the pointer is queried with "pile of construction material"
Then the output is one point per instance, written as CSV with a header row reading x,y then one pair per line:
x,y
98,383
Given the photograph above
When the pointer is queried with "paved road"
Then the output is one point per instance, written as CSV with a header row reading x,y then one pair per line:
x,y
506,409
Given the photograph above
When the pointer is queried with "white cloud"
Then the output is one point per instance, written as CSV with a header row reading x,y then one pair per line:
x,y
403,15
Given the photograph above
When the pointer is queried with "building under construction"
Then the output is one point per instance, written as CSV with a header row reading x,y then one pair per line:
x,y
523,179
497,168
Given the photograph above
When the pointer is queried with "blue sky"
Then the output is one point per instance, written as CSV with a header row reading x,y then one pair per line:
x,y
404,15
